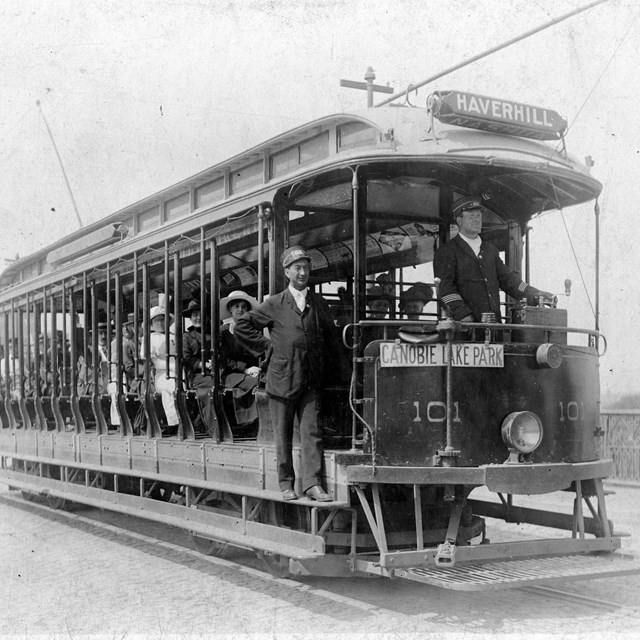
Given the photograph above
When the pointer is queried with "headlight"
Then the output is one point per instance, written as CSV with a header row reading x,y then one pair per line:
x,y
549,355
522,431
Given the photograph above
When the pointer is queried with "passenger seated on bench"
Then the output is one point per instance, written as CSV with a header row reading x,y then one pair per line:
x,y
240,370
378,304
414,299
198,378
158,354
129,364
88,378
14,368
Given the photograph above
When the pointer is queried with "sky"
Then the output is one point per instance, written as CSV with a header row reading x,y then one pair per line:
x,y
139,96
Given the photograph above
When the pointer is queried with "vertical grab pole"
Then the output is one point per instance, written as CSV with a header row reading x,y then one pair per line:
x,y
527,255
153,428
55,366
110,356
449,446
596,210
29,361
45,343
203,305
222,426
136,306
96,364
447,456
54,346
7,374
359,270
118,366
64,380
215,313
167,318
355,187
262,214
26,420
73,372
13,359
37,334
85,328
185,428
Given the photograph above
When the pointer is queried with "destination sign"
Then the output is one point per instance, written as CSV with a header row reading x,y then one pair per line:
x,y
500,116
394,354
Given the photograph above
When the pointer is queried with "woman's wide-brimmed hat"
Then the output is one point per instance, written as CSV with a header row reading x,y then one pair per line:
x,y
194,305
420,291
158,311
234,296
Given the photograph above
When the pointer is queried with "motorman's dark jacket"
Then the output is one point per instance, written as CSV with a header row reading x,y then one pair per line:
x,y
470,285
303,342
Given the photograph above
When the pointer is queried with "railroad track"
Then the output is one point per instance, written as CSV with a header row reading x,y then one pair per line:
x,y
246,564
576,598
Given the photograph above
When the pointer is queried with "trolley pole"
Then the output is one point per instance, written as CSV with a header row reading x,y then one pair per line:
x,y
64,173
367,86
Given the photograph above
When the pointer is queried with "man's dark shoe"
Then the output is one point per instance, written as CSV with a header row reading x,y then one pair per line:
x,y
319,494
289,494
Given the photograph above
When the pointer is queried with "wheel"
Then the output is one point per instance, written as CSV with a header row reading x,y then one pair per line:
x,y
276,564
159,491
55,502
209,547
216,502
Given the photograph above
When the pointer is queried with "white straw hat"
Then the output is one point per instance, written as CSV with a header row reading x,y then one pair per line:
x,y
158,311
232,297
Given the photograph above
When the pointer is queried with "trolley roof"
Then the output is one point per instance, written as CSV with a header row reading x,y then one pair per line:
x,y
338,140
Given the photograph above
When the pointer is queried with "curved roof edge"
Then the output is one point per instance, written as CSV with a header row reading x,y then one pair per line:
x,y
402,125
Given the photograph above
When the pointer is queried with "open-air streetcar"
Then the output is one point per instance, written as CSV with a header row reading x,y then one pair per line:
x,y
434,412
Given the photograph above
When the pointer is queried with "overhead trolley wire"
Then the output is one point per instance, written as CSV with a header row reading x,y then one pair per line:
x,y
575,257
488,52
604,70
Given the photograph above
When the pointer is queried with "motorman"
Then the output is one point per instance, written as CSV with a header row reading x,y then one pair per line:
x,y
471,272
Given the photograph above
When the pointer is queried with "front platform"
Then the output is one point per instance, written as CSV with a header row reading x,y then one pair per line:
x,y
505,574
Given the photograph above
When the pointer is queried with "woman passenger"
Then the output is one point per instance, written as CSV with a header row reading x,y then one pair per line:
x,y
240,370
415,299
166,386
198,378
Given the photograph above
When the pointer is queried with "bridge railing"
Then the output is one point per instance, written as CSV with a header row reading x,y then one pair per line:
x,y
621,442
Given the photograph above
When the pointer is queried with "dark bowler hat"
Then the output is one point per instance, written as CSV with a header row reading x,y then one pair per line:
x,y
194,305
419,291
467,204
292,254
102,326
375,292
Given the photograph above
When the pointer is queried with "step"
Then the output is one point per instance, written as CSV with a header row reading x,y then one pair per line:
x,y
505,574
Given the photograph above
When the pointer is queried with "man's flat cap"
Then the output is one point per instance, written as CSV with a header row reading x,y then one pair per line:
x,y
468,204
292,254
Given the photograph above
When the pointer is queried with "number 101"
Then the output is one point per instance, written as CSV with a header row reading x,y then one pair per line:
x,y
437,411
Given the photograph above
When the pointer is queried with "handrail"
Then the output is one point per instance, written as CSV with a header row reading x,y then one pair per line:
x,y
432,327
478,325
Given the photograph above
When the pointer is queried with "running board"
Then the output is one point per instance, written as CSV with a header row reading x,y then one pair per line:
x,y
509,574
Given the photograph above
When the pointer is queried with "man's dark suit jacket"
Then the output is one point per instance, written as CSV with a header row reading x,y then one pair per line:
x,y
302,342
471,285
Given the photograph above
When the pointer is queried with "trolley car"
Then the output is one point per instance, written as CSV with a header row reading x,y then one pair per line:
x,y
432,411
